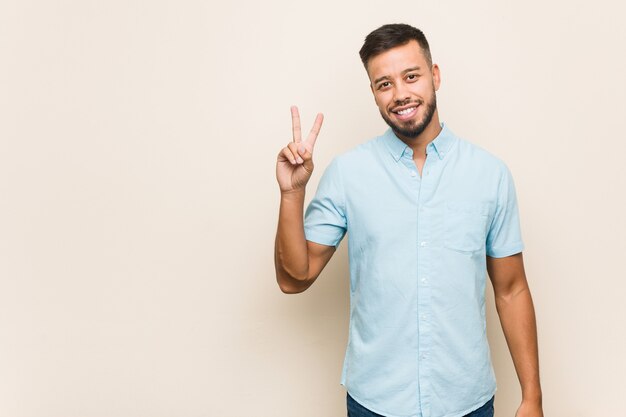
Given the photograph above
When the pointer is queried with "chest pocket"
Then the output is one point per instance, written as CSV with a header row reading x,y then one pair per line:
x,y
465,225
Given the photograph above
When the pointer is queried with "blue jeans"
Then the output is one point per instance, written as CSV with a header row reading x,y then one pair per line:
x,y
357,410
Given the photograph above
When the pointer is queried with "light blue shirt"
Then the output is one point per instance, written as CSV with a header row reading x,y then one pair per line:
x,y
417,245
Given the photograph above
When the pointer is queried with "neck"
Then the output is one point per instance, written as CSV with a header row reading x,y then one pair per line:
x,y
418,144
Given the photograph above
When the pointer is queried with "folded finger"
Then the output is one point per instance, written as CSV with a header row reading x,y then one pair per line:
x,y
288,155
293,147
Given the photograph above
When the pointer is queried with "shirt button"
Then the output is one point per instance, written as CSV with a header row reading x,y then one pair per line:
x,y
424,280
413,173
423,243
423,316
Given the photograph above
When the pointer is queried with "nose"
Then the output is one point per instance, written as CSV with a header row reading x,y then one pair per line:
x,y
400,93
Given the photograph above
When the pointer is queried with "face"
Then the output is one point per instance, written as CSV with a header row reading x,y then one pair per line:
x,y
404,88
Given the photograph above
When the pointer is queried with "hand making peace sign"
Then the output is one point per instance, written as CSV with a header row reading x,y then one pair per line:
x,y
295,161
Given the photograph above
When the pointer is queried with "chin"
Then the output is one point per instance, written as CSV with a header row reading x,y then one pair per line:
x,y
410,124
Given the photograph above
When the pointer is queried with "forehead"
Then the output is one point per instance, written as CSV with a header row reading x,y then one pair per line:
x,y
396,60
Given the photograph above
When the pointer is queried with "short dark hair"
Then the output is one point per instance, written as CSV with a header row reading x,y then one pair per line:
x,y
392,35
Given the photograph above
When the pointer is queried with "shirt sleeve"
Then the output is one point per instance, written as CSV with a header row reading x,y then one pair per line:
x,y
325,219
504,237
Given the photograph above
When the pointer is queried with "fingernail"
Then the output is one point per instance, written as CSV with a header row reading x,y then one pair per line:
x,y
300,160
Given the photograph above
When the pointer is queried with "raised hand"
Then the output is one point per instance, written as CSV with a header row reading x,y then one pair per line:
x,y
294,164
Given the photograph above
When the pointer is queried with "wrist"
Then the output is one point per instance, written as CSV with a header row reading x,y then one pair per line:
x,y
296,194
532,396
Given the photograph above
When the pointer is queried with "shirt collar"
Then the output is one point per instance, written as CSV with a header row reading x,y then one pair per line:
x,y
441,144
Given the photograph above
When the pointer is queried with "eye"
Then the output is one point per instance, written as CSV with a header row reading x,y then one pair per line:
x,y
383,85
412,77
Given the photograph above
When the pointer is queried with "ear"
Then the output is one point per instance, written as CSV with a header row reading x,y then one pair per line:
x,y
436,76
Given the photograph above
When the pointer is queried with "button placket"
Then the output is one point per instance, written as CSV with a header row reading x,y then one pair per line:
x,y
424,254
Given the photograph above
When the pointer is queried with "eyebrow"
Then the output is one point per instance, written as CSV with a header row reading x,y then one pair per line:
x,y
386,77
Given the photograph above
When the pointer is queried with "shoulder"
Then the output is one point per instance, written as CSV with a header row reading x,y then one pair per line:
x,y
349,166
481,157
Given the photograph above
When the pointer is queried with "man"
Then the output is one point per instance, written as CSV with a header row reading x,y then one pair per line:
x,y
429,215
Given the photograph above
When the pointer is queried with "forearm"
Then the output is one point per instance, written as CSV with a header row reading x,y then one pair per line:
x,y
291,253
517,316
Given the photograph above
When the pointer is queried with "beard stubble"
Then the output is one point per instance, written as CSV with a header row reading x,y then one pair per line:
x,y
410,130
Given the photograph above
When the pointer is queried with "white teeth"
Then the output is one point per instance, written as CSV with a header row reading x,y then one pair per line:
x,y
406,111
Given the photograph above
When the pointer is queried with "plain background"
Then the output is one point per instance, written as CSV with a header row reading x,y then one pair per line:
x,y
138,200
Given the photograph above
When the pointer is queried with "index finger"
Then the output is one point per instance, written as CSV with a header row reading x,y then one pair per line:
x,y
295,124
315,130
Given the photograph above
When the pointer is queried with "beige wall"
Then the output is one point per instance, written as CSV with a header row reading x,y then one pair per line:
x,y
138,202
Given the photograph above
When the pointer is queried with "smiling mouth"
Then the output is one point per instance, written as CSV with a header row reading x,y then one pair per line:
x,y
406,113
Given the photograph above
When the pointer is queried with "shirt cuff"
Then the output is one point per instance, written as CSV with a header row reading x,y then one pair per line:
x,y
322,238
505,251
